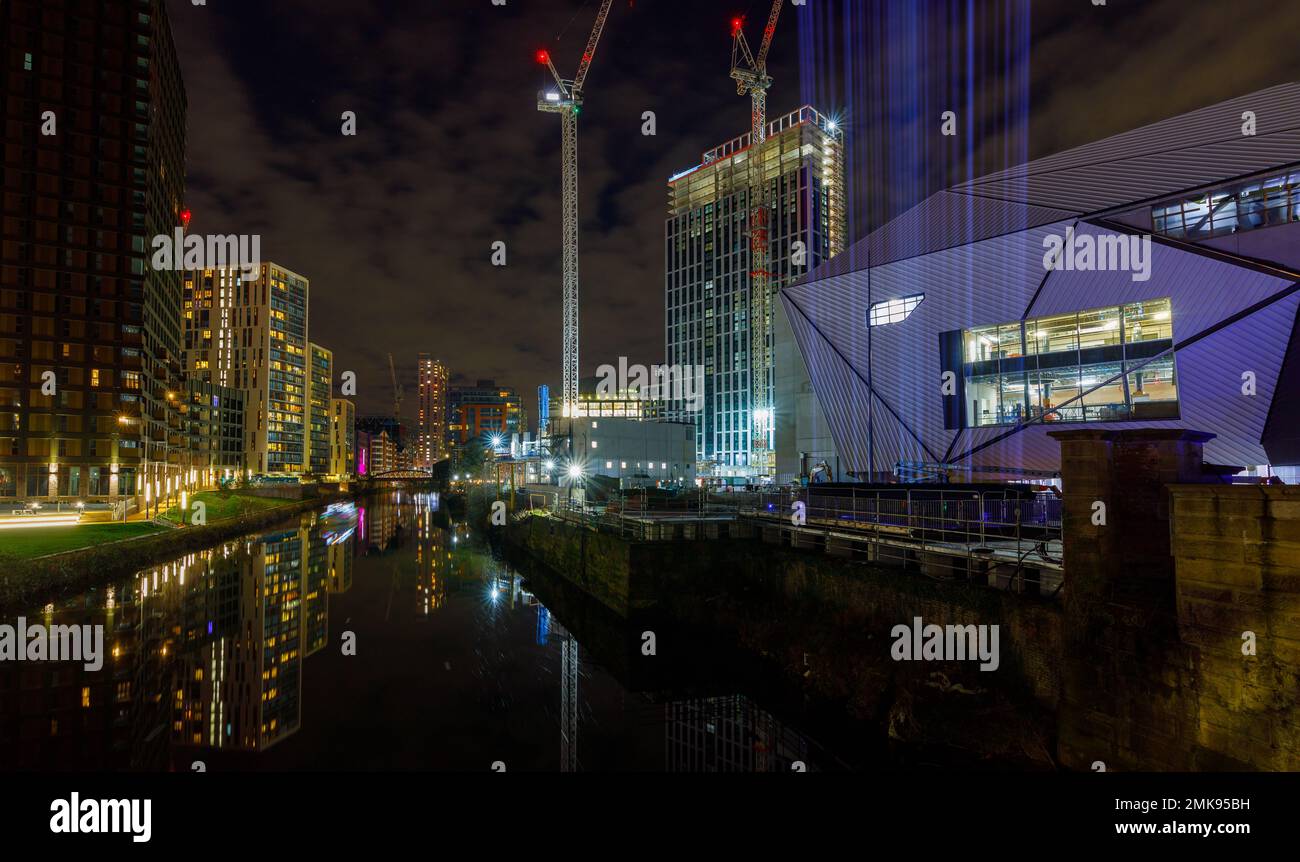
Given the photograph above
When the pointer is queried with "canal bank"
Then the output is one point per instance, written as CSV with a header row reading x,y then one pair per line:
x,y
823,624
1171,645
24,580
465,661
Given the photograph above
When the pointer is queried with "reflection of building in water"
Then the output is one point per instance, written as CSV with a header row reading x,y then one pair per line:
x,y
315,590
433,562
729,734
339,555
204,651
239,673
281,620
570,665
207,599
507,588
381,525
58,715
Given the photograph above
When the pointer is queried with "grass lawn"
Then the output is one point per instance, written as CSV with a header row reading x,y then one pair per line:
x,y
226,504
39,541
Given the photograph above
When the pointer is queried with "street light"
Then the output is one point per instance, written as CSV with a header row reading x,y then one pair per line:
x,y
574,472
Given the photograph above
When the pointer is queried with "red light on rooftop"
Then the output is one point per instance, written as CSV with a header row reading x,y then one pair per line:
x,y
543,57
186,215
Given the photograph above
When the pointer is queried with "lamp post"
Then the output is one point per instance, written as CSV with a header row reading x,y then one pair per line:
x,y
575,475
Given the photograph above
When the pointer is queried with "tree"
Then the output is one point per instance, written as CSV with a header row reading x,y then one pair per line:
x,y
470,457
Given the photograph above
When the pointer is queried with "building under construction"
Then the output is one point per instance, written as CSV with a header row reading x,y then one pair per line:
x,y
710,265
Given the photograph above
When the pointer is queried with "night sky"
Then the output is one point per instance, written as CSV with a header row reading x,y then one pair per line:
x,y
394,227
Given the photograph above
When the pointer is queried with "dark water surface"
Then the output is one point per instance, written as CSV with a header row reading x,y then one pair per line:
x,y
235,657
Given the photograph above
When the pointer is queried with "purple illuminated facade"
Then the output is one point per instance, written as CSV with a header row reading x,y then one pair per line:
x,y
945,337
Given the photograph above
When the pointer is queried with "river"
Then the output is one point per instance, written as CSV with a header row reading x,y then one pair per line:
x,y
378,635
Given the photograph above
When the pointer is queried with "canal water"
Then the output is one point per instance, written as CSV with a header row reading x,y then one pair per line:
x,y
380,635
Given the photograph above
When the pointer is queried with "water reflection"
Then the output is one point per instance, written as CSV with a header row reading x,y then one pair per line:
x,y
233,656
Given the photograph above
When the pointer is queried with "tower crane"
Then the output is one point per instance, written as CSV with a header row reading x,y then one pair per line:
x,y
397,395
750,74
566,100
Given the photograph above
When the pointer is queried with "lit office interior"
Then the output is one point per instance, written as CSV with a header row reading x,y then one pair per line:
x,y
1101,365
1254,204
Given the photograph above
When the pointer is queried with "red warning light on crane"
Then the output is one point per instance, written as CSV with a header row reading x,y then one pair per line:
x,y
186,215
736,24
543,57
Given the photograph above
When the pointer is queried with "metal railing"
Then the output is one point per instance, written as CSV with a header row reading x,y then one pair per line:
x,y
1010,539
1003,538
639,523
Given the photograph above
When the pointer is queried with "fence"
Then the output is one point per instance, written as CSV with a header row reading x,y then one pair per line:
x,y
1005,538
639,523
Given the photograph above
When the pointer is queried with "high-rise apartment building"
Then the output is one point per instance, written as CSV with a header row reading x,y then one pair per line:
x,y
431,428
94,167
214,416
708,269
320,380
251,335
343,438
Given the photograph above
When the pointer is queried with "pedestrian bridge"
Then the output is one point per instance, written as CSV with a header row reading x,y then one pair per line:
x,y
404,474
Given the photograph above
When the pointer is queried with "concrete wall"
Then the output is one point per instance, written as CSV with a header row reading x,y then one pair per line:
x,y
624,576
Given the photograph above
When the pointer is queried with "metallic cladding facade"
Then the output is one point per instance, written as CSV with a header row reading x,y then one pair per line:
x,y
976,252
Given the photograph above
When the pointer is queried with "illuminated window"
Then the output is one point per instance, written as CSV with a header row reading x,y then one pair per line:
x,y
1098,365
894,310
1258,203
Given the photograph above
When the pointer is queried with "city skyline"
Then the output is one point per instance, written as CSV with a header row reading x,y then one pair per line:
x,y
267,156
902,388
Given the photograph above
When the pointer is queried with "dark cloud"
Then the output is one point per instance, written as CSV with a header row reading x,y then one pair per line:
x,y
394,227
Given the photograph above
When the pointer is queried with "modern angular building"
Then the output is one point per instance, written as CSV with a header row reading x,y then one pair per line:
x,y
1148,280
431,427
94,167
251,335
708,268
